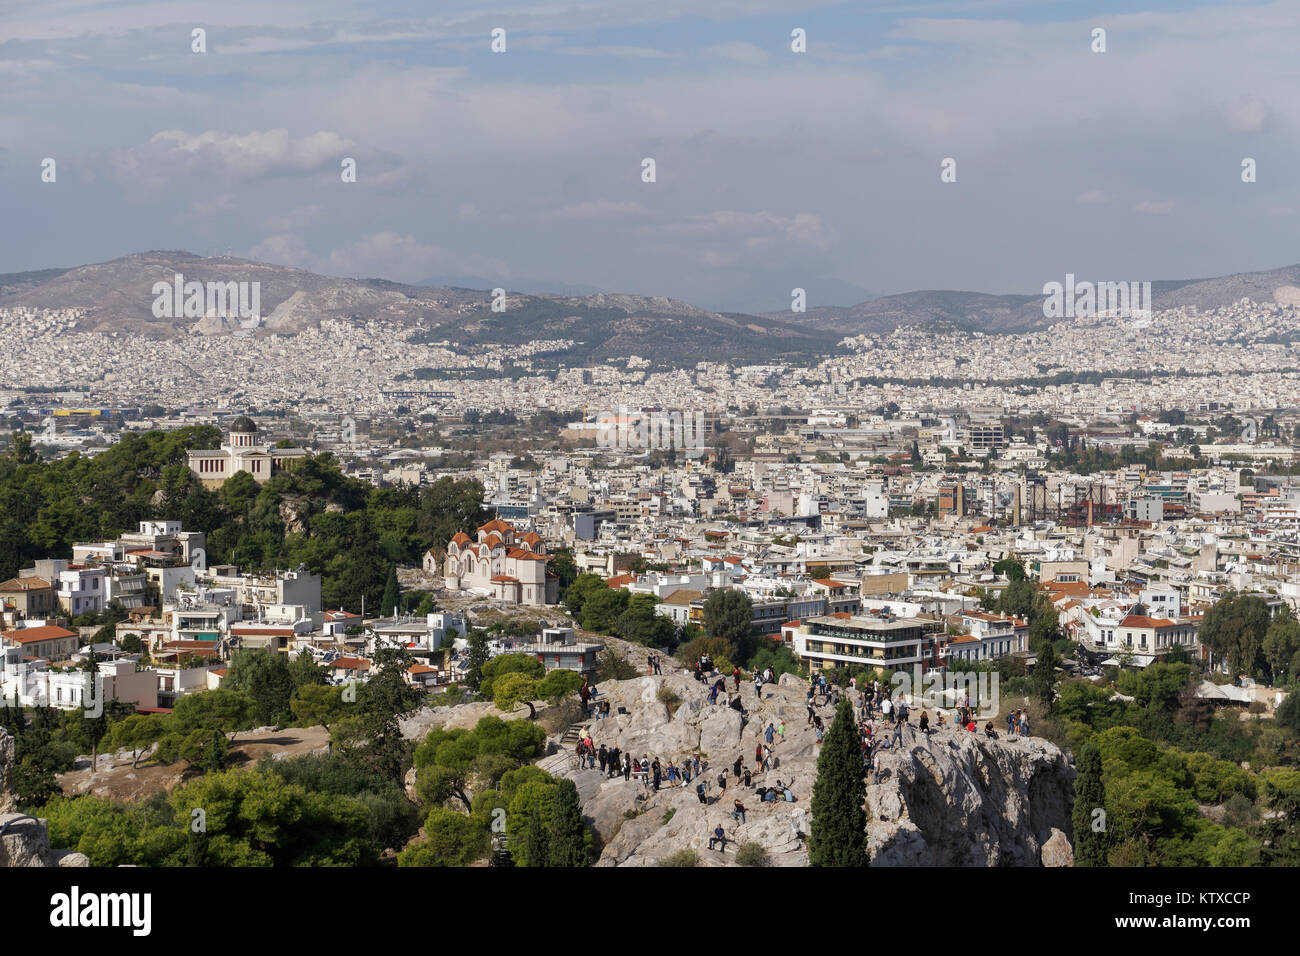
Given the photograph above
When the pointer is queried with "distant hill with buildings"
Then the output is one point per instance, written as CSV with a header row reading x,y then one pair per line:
x,y
983,312
118,296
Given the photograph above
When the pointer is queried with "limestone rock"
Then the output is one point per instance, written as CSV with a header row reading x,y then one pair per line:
x,y
1057,851
6,771
26,842
961,799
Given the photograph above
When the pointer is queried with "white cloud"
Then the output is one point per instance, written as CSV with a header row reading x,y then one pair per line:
x,y
602,209
1246,114
737,51
174,152
1151,207
1092,197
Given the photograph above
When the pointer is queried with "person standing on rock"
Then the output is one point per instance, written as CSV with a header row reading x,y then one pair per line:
x,y
702,791
738,766
887,709
1011,724
658,774
925,723
614,765
722,782
767,758
627,767
769,734
603,757
811,713
585,694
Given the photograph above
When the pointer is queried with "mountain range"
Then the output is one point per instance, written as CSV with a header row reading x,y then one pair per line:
x,y
117,296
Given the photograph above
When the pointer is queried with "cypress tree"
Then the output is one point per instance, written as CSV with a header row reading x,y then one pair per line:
x,y
839,820
1090,846
1043,678
392,593
533,852
568,844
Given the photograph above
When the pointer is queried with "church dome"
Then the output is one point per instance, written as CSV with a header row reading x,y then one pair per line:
x,y
243,425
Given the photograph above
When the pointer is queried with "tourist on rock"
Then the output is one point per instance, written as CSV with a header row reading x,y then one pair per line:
x,y
739,812
719,836
925,723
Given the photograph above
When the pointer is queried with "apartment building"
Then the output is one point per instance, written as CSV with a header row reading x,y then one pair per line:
x,y
882,642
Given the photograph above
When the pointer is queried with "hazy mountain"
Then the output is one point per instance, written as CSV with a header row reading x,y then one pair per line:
x,y
529,286
979,311
119,297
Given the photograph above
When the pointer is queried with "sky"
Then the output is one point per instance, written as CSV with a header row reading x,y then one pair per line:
x,y
774,169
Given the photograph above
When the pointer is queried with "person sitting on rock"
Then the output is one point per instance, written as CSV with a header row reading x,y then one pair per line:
x,y
989,731
719,836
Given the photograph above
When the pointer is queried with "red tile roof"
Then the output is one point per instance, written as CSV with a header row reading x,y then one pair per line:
x,y
29,635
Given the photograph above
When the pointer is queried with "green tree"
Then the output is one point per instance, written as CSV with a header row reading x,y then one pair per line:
x,y
321,704
451,839
1234,628
729,614
559,684
1090,845
504,664
476,658
229,711
568,834
392,593
265,677
839,820
1043,678
511,690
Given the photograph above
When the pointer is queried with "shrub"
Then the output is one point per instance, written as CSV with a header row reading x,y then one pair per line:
x,y
752,854
681,858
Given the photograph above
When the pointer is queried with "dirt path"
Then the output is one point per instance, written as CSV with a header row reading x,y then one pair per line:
x,y
115,780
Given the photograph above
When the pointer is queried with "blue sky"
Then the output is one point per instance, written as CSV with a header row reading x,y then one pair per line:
x,y
775,169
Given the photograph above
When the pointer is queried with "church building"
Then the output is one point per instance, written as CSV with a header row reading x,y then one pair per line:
x,y
502,563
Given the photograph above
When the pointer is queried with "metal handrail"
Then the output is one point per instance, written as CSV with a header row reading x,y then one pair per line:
x,y
20,818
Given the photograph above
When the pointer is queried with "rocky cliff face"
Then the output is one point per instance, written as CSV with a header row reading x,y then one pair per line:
x,y
6,771
961,799
954,798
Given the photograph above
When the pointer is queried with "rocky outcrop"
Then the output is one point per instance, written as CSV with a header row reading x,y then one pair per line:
x,y
6,771
952,799
25,841
961,799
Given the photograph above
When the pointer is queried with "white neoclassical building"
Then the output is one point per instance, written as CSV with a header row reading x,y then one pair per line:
x,y
241,452
502,563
